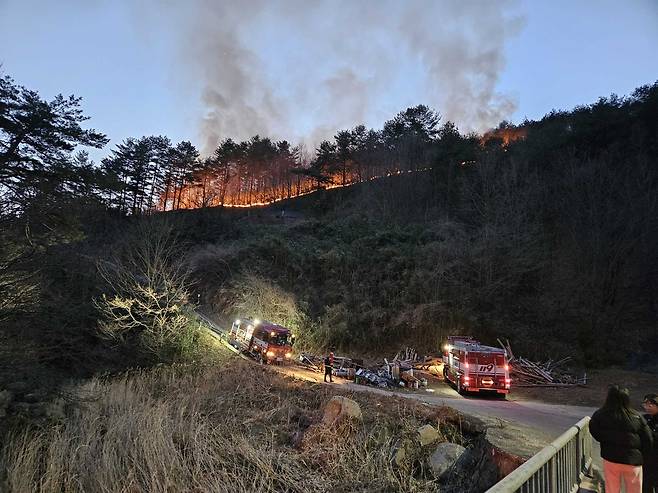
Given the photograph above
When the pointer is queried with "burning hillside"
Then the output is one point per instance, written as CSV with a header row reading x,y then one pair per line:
x,y
505,135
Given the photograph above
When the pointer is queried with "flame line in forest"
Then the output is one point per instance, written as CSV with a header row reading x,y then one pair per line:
x,y
301,194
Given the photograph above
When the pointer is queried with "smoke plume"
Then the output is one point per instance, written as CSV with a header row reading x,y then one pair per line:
x,y
302,70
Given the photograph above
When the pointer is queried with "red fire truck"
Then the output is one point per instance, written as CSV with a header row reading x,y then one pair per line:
x,y
265,341
473,367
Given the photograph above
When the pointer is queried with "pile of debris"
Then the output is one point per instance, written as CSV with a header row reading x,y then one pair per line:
x,y
343,367
397,372
400,370
377,378
526,373
310,361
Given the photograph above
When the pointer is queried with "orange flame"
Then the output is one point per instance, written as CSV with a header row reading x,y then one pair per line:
x,y
506,135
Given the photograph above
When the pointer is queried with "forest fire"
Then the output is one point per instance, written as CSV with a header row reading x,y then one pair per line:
x,y
208,191
505,135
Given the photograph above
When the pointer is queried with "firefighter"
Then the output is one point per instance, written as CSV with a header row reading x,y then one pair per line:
x,y
650,467
625,439
328,367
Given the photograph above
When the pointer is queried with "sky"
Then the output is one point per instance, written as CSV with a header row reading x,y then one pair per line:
x,y
203,70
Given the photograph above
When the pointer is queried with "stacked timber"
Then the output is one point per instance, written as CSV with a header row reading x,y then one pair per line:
x,y
526,373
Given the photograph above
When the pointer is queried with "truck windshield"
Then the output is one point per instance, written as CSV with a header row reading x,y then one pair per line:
x,y
280,339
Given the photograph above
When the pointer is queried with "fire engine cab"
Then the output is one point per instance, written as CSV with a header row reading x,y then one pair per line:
x,y
473,367
265,341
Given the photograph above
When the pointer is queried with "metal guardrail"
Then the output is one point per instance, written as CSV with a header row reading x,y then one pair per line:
x,y
557,468
211,324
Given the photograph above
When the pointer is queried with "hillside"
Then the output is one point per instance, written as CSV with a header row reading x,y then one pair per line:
x,y
546,239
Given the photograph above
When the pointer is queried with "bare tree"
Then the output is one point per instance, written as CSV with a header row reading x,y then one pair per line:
x,y
251,295
148,292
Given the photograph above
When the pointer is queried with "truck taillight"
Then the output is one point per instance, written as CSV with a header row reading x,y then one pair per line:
x,y
506,367
465,378
466,364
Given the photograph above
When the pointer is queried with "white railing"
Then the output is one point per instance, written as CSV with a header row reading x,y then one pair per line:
x,y
557,468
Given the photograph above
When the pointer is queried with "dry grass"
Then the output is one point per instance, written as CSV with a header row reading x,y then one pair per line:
x,y
216,429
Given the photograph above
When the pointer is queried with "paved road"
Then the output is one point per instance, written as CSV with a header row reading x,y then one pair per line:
x,y
539,422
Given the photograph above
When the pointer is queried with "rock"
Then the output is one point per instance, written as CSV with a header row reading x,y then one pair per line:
x,y
475,470
5,399
427,435
401,454
340,408
444,457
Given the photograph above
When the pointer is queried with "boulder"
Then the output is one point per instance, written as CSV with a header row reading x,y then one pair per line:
x,y
401,454
340,408
475,470
427,435
406,451
444,457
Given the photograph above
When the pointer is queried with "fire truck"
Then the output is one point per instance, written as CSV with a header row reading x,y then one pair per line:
x,y
265,341
474,367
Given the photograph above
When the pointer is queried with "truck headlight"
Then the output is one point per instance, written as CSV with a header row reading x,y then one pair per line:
x,y
270,354
288,355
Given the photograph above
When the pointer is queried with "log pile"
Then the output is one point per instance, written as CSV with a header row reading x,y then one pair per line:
x,y
526,373
311,362
406,356
342,365
409,358
400,370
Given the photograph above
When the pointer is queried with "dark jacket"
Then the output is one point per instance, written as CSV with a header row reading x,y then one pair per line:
x,y
625,441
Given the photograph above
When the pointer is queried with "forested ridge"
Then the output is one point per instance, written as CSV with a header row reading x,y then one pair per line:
x,y
544,233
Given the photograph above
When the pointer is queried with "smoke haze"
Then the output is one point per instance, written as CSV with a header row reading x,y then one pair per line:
x,y
302,70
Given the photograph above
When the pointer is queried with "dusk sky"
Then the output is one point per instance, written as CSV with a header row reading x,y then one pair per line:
x,y
300,70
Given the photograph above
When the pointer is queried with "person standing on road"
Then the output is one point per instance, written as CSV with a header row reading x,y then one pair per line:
x,y
650,466
625,439
328,367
